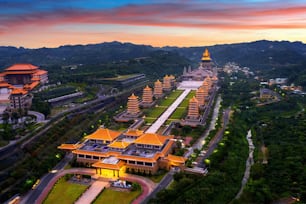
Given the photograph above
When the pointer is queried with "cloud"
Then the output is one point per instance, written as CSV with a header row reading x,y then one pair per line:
x,y
238,17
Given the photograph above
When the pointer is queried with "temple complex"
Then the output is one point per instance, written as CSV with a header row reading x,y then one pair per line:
x,y
113,153
158,89
193,78
16,83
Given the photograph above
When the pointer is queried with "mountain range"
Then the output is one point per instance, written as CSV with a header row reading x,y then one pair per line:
x,y
279,58
262,52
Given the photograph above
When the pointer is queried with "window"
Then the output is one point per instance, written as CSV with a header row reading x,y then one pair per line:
x,y
148,164
140,163
88,156
81,155
95,157
131,162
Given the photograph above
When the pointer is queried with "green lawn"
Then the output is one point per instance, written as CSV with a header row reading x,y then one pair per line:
x,y
121,197
155,112
178,113
65,192
175,94
171,98
182,108
150,120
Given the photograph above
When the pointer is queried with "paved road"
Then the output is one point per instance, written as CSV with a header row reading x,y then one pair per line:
x,y
214,142
162,185
39,116
33,195
162,119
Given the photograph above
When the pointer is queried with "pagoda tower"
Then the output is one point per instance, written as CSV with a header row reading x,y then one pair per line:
x,y
209,81
205,87
206,60
133,105
158,89
193,108
147,96
200,96
167,83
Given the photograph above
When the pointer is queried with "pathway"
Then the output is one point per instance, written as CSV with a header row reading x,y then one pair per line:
x,y
162,119
92,192
248,164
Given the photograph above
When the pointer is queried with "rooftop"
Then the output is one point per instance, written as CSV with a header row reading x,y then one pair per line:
x,y
21,67
151,139
104,134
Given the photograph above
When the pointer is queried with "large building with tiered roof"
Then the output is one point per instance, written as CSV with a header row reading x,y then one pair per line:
x,y
132,112
200,96
193,109
203,71
133,105
147,98
158,89
113,153
16,82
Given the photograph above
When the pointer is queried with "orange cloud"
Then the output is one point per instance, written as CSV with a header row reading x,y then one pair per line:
x,y
175,17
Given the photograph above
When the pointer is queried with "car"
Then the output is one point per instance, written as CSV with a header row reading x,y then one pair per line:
x,y
36,184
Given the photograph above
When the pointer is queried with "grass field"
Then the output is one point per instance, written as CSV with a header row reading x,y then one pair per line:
x,y
178,113
153,113
65,192
181,109
121,197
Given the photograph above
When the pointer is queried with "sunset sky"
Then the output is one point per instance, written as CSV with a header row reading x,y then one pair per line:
x,y
51,23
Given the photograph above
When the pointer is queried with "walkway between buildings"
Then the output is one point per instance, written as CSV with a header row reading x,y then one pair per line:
x,y
92,192
162,119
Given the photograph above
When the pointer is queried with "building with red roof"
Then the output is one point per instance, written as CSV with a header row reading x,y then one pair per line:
x,y
16,82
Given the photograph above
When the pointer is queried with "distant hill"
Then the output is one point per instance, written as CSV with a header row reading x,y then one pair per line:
x,y
73,54
258,54
271,58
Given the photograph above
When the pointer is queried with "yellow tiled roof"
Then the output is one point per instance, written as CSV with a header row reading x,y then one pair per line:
x,y
69,146
193,99
119,144
104,134
206,55
151,139
117,166
134,132
177,159
200,89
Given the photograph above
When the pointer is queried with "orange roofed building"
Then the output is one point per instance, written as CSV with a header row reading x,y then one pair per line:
x,y
113,153
16,82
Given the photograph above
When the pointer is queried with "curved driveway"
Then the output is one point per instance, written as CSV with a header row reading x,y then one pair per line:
x,y
146,184
39,116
